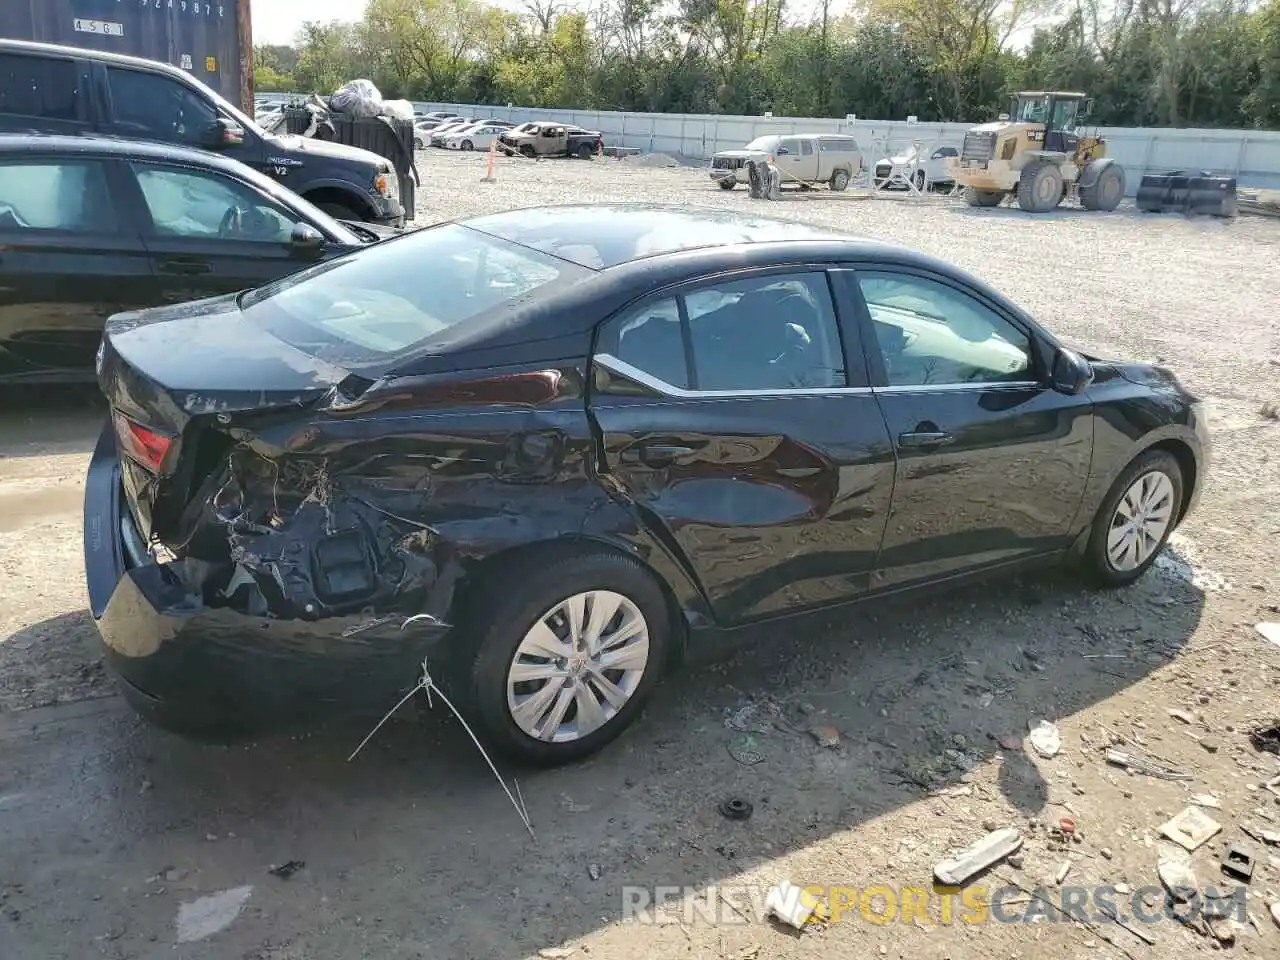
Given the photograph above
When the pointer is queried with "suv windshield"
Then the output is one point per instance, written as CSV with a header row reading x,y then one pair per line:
x,y
376,305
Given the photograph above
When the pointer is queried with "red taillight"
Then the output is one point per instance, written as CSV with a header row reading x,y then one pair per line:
x,y
138,443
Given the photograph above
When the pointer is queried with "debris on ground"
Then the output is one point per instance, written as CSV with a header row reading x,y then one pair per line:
x,y
1045,738
828,737
1269,837
1266,738
743,749
1191,828
790,904
1238,862
735,808
1175,873
287,869
204,917
593,871
1009,741
1062,872
1275,912
1183,716
1207,800
1136,764
1269,632
995,846
555,953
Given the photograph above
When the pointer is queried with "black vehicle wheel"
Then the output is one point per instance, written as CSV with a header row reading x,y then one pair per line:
x,y
527,151
840,180
1135,520
564,656
340,211
728,183
1040,188
920,180
982,198
1106,191
417,143
585,152
467,145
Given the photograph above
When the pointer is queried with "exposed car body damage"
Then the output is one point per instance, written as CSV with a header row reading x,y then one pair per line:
x,y
272,526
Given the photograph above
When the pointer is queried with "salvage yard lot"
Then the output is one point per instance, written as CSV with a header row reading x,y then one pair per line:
x,y
107,826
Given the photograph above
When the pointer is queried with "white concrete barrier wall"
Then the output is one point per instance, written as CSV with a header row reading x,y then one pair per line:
x,y
1251,156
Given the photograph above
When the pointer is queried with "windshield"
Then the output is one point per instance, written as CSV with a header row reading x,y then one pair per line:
x,y
1032,110
762,143
419,290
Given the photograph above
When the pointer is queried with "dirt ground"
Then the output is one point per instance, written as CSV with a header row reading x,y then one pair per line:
x,y
119,841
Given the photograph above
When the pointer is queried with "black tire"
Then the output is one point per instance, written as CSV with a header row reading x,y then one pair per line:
x,y
526,150
1040,187
467,145
504,613
340,211
585,152
921,180
840,180
1106,191
982,198
417,143
728,183
1098,564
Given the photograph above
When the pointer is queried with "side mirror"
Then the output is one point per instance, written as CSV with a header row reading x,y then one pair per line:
x,y
1072,373
306,241
223,133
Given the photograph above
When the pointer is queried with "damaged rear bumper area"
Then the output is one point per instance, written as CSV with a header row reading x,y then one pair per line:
x,y
323,606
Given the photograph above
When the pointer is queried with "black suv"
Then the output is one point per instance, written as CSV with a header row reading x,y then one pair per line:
x,y
64,90
91,226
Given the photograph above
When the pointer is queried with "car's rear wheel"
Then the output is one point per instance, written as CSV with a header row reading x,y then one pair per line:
x,y
564,659
1135,520
839,180
527,151
585,152
467,145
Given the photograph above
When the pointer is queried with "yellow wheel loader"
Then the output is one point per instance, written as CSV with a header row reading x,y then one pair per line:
x,y
1039,155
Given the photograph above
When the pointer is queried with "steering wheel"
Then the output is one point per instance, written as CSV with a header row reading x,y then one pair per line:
x,y
232,224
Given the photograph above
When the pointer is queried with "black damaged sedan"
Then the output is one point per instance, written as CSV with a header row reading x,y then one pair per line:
x,y
551,452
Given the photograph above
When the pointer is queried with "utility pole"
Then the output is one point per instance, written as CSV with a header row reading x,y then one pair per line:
x,y
244,36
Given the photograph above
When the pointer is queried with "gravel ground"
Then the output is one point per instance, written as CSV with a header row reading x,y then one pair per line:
x,y
412,851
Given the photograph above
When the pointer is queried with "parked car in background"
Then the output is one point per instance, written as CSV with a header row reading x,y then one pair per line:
x,y
803,159
448,128
932,165
91,226
548,139
478,136
556,451
68,90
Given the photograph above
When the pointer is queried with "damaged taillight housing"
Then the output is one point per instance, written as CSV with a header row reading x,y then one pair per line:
x,y
141,444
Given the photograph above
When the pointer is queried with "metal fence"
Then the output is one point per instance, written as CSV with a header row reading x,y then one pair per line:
x,y
1251,156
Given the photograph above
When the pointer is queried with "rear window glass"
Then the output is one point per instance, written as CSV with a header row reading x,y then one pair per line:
x,y
383,303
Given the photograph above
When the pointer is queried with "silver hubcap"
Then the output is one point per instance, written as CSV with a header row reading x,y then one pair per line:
x,y
578,666
1140,522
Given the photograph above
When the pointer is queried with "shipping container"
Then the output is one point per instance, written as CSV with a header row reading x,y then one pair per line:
x,y
204,37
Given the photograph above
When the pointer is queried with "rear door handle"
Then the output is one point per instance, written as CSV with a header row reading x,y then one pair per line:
x,y
185,266
924,438
656,454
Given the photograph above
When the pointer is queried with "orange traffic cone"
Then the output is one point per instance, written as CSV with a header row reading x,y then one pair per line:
x,y
493,152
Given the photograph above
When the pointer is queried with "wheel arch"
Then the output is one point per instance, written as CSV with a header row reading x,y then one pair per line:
x,y
1093,170
333,193
1187,462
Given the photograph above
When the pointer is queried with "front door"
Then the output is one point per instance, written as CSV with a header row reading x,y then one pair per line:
x,y
739,424
209,234
69,258
992,463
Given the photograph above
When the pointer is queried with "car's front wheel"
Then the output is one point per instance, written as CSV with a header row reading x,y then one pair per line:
x,y
564,658
1135,520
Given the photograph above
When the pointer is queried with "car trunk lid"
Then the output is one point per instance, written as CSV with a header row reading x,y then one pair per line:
x,y
178,380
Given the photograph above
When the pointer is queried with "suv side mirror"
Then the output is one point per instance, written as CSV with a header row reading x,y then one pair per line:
x,y
305,241
222,133
1072,373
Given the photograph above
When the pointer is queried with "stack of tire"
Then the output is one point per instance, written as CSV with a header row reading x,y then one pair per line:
x,y
1178,191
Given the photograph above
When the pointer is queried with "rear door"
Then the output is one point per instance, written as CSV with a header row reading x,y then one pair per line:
x,y
49,94
737,420
69,258
992,462
209,234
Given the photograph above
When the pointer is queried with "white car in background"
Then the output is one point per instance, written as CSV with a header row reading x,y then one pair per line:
x,y
478,136
933,166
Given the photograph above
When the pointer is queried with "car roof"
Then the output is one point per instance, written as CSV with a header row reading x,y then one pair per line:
x,y
31,46
601,236
104,146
